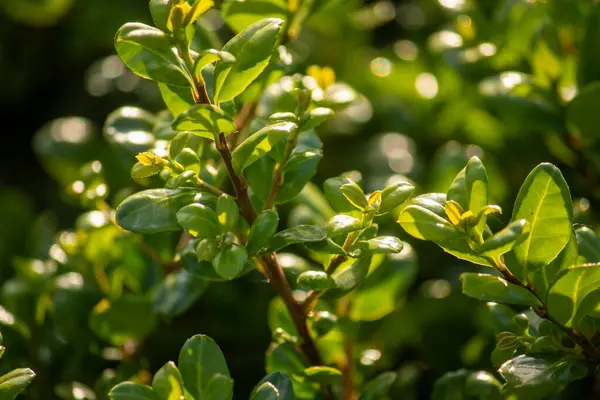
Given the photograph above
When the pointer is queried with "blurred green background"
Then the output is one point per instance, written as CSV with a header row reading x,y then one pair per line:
x,y
442,80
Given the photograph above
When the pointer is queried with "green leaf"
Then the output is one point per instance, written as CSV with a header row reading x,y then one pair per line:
x,y
200,360
351,275
589,66
543,278
538,377
230,261
282,383
199,219
355,195
451,385
177,292
323,375
167,383
155,210
266,391
177,99
295,235
326,246
493,288
297,172
342,225
140,171
228,213
575,294
394,195
334,194
148,52
545,201
384,289
205,120
378,387
314,118
241,14
483,385
14,382
252,49
284,357
508,238
209,56
378,245
220,387
315,280
469,188
262,230
129,317
582,118
130,129
588,244
132,391
425,224
259,144
160,11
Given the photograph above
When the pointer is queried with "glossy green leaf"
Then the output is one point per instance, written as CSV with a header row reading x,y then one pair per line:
x,y
508,238
252,49
140,171
228,213
295,235
588,244
323,375
342,225
129,317
326,246
493,288
355,195
282,383
544,278
266,391
178,99
538,377
177,292
130,130
297,172
383,291
209,56
483,385
205,120
425,224
259,144
132,391
469,188
544,201
378,245
347,277
240,14
262,230
315,117
200,360
315,280
155,210
199,219
575,294
167,383
230,261
334,194
394,195
378,387
588,65
220,387
581,116
148,52
160,11
14,382
285,357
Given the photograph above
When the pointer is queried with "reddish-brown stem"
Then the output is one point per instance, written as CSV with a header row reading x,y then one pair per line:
x,y
270,263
